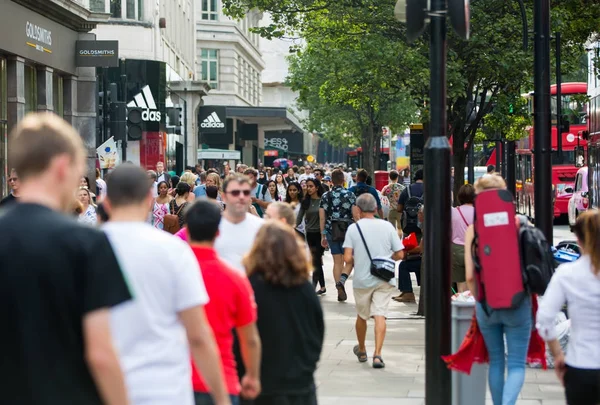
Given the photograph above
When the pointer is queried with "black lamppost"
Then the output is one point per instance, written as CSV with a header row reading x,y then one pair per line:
x,y
541,127
437,232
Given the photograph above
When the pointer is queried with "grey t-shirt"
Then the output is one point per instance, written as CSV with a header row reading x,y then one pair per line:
x,y
382,239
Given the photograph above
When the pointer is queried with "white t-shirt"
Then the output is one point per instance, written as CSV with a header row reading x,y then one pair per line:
x,y
235,240
382,239
164,278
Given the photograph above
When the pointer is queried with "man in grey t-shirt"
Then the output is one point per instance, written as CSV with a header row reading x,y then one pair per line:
x,y
372,295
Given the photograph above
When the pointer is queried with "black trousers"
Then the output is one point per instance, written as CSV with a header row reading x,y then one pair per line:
x,y
313,240
582,386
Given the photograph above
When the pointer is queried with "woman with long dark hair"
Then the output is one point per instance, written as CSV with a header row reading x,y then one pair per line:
x,y
290,317
271,188
294,196
160,208
309,212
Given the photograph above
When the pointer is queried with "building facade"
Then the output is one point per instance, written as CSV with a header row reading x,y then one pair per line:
x,y
38,69
230,60
157,51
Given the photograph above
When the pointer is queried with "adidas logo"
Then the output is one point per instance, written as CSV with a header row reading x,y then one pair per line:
x,y
212,121
145,100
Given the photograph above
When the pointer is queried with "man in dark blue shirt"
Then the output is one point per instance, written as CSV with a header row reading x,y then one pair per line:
x,y
362,187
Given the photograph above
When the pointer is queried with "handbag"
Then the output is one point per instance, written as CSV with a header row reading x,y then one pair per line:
x,y
384,269
171,221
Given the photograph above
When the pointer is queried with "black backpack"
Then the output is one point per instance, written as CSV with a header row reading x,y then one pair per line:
x,y
410,215
537,260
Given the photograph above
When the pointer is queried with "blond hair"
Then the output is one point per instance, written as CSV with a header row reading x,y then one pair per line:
x,y
587,230
285,211
216,178
38,139
188,178
488,182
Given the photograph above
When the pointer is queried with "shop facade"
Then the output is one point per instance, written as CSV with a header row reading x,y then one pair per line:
x,y
38,71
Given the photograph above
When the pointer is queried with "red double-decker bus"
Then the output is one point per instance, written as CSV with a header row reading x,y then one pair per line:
x,y
574,148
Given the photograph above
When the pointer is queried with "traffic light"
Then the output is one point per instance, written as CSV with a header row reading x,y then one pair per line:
x,y
118,127
135,124
511,109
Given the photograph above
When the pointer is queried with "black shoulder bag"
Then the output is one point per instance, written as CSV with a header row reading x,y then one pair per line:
x,y
384,269
339,227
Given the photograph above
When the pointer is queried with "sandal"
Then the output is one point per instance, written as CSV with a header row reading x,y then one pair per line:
x,y
378,364
362,356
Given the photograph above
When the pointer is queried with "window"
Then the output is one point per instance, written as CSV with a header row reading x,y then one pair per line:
x,y
140,7
210,67
210,10
30,89
131,9
98,6
58,97
572,108
115,9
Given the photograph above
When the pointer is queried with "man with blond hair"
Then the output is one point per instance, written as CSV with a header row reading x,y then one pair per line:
x,y
58,279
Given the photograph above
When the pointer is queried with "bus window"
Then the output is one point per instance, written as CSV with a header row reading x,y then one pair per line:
x,y
518,171
578,182
528,169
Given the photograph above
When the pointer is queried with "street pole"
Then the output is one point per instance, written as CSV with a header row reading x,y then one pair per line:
x,y
438,389
471,164
558,100
542,129
511,177
124,98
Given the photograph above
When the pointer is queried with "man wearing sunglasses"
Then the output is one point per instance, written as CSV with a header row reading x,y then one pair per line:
x,y
238,228
13,197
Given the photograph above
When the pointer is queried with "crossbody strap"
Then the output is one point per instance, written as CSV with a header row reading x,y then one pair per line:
x,y
364,243
462,216
408,191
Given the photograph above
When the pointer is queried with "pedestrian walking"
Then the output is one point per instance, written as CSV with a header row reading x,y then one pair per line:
x,y
238,228
506,332
362,187
58,279
335,215
367,239
231,306
577,285
13,196
163,273
278,270
160,205
294,197
259,195
462,218
392,191
88,214
309,211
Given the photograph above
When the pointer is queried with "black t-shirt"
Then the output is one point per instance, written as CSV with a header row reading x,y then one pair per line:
x,y
416,190
53,272
8,200
291,327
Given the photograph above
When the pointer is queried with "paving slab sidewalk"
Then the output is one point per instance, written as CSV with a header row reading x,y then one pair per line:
x,y
342,380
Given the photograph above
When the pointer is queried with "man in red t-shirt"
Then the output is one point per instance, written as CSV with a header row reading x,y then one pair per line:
x,y
231,306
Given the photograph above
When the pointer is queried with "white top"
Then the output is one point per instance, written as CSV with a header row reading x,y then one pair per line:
x,y
382,239
576,285
235,240
164,279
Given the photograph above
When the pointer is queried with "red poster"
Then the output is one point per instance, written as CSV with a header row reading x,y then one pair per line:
x,y
152,149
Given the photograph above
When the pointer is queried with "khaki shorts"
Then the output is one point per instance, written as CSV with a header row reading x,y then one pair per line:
x,y
373,301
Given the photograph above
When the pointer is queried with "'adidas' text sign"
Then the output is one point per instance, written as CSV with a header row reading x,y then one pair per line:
x,y
145,99
212,121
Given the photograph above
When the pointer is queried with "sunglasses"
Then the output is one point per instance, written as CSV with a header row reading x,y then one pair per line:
x,y
236,193
13,179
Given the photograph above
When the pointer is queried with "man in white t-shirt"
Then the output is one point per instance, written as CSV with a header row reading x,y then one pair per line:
x,y
238,228
155,332
372,294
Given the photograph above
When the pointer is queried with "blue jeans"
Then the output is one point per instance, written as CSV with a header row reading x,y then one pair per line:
x,y
407,267
335,248
203,398
516,325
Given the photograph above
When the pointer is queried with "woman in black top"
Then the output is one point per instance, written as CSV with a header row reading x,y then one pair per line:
x,y
178,205
309,210
290,317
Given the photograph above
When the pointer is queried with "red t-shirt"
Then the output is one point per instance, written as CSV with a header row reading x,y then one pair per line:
x,y
231,306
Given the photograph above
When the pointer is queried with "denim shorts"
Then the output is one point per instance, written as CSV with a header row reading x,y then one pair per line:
x,y
335,248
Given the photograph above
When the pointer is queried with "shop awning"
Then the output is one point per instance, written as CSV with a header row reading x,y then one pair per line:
x,y
266,117
222,154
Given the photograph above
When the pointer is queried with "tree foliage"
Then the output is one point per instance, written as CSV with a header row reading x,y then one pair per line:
x,y
490,69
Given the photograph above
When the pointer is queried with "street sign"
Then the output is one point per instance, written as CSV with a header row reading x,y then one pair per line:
x,y
97,54
310,158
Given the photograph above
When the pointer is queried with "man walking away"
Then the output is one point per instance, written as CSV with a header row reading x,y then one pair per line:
x,y
362,187
372,294
392,191
336,210
238,228
58,280
409,205
231,306
169,297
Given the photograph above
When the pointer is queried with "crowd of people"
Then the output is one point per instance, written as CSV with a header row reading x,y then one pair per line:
x,y
185,289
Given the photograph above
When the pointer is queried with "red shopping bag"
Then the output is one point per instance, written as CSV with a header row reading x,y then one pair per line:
x,y
410,242
472,350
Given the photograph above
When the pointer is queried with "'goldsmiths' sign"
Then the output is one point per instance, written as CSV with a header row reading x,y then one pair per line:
x,y
97,54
